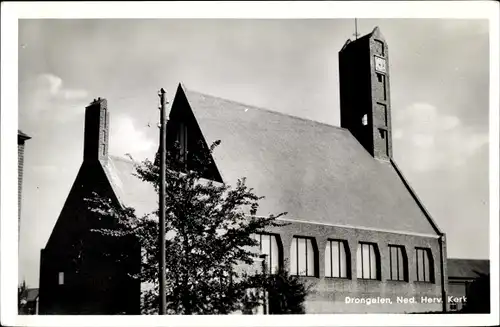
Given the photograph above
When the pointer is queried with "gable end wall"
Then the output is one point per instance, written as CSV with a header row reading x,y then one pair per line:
x,y
88,291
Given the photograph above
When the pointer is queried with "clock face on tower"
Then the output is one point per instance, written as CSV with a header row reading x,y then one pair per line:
x,y
380,64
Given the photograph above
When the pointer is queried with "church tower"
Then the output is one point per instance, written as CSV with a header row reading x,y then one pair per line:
x,y
365,108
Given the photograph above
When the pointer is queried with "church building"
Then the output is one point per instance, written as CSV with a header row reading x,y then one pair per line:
x,y
356,229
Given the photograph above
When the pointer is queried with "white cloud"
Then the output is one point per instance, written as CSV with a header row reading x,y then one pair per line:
x,y
53,85
74,94
436,140
423,140
53,82
126,138
46,97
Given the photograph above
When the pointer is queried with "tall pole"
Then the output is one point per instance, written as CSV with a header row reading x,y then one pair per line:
x,y
356,28
163,150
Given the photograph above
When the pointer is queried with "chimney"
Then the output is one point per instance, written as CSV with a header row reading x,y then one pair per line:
x,y
365,108
95,145
21,138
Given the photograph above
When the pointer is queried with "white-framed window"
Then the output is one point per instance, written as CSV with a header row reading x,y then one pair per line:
x,y
425,267
367,261
397,263
61,278
268,245
336,259
302,257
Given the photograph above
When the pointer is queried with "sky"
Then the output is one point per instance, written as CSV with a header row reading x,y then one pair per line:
x,y
439,78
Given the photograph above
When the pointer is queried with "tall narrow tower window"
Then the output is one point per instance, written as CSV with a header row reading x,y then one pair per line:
x,y
364,120
104,143
61,278
379,47
380,114
182,138
381,86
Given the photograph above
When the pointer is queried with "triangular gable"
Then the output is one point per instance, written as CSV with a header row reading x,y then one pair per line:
x,y
74,214
181,113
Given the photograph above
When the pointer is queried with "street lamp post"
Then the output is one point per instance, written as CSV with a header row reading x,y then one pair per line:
x,y
163,150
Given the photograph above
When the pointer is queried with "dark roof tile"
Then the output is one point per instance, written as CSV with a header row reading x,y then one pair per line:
x,y
467,268
31,294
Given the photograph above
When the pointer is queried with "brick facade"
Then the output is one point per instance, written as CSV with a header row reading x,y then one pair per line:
x,y
330,294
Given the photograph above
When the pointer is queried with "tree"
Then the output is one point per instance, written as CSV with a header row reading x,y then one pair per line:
x,y
22,292
209,227
286,294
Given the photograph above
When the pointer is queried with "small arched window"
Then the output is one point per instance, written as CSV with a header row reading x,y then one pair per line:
x,y
337,259
303,256
398,263
368,261
425,265
270,246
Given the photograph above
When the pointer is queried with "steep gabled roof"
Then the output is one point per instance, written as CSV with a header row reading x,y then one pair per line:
x,y
314,171
128,188
467,268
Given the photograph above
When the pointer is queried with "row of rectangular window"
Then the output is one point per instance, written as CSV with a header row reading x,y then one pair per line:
x,y
302,261
337,259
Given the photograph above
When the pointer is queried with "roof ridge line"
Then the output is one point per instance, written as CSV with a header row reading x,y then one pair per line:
x,y
262,109
416,198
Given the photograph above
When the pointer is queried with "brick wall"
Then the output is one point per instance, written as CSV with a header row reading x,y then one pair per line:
x,y
21,138
96,133
381,106
330,294
20,167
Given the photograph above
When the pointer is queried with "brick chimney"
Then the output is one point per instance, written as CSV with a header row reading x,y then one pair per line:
x,y
95,145
21,138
